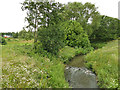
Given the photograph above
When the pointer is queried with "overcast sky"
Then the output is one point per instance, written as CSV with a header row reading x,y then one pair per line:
x,y
12,17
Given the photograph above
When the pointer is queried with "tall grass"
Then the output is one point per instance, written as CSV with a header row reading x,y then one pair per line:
x,y
24,69
104,62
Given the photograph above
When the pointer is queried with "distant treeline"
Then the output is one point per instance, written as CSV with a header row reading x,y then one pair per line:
x,y
53,25
108,29
7,33
22,34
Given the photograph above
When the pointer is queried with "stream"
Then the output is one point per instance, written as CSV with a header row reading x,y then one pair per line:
x,y
78,76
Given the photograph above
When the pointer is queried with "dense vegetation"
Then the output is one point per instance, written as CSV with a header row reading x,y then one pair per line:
x,y
56,33
104,62
108,29
75,35
23,69
2,41
51,39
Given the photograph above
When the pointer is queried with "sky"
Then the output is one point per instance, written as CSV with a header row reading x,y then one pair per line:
x,y
12,17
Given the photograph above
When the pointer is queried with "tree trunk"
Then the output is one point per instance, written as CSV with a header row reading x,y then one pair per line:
x,y
35,32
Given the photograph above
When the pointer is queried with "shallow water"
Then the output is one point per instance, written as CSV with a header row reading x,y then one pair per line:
x,y
77,61
78,76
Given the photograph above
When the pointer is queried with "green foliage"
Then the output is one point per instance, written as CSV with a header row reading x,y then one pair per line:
x,y
3,41
97,45
15,35
42,13
56,76
22,34
27,35
67,53
75,35
86,14
118,28
108,29
7,33
104,62
51,38
24,69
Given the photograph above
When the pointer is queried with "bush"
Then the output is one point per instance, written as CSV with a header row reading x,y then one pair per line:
x,y
75,35
22,34
27,35
51,38
3,41
15,35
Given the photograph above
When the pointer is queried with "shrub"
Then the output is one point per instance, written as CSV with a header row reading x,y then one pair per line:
x,y
27,35
3,41
22,34
51,38
74,34
15,35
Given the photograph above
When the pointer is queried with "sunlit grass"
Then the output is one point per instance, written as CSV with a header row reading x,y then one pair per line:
x,y
0,66
104,62
23,71
67,53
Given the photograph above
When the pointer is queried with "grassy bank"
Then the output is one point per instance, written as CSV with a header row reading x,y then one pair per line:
x,y
22,69
104,62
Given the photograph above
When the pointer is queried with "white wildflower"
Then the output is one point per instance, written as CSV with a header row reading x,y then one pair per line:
x,y
23,78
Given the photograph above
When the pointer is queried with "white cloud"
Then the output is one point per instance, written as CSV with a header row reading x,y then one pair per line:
x,y
11,17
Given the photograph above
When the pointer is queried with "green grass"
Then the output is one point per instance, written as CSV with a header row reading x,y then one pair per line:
x,y
104,62
67,53
0,66
21,68
24,69
97,45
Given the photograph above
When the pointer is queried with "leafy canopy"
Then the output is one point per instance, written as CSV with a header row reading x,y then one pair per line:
x,y
51,38
74,34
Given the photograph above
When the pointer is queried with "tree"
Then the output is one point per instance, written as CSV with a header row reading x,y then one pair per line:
x,y
118,28
41,14
31,6
74,34
108,29
22,34
86,14
51,38
15,35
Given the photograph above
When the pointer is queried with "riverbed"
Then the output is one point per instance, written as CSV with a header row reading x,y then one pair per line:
x,y
78,76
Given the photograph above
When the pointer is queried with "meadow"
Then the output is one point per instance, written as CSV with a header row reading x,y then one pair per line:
x,y
36,56
22,70
104,62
